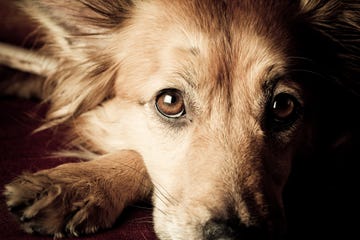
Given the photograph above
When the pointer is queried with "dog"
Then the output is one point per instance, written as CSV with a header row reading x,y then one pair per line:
x,y
203,106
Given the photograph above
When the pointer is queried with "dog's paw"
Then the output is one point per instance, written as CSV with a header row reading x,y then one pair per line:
x,y
59,202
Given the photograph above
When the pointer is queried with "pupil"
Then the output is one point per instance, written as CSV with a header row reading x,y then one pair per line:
x,y
281,104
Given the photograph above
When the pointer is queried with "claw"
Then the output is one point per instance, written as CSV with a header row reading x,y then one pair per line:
x,y
28,228
58,235
71,230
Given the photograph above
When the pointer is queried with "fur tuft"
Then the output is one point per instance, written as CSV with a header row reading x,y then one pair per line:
x,y
77,33
338,22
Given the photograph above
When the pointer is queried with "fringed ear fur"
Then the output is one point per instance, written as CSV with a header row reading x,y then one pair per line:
x,y
338,22
77,34
76,25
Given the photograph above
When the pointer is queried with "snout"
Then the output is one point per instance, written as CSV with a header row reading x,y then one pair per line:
x,y
222,190
231,229
199,222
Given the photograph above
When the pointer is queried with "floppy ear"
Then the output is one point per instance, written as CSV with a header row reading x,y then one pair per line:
x,y
79,25
338,23
78,34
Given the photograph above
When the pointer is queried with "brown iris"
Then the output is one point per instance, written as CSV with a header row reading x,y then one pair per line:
x,y
283,106
170,103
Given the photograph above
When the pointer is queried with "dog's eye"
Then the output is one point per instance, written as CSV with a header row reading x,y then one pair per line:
x,y
284,109
283,106
170,103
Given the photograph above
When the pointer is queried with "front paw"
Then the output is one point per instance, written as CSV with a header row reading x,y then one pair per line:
x,y
56,202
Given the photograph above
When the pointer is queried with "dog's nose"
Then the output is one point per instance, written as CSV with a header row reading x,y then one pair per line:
x,y
230,230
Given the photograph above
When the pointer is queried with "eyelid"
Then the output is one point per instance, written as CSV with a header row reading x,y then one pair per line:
x,y
289,87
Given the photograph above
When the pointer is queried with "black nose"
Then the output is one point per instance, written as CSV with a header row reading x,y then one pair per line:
x,y
230,230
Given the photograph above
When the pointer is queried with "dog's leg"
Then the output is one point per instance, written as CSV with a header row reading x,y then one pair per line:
x,y
78,198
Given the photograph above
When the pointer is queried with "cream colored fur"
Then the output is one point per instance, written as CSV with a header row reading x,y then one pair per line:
x,y
223,159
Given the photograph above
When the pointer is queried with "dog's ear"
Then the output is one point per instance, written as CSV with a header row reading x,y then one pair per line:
x,y
76,24
336,51
338,24
78,34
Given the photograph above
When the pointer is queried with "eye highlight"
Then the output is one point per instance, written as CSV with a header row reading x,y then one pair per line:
x,y
170,103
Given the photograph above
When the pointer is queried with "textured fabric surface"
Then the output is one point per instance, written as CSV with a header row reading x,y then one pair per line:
x,y
20,151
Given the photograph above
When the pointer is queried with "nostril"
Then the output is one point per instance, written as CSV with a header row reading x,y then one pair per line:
x,y
230,230
216,230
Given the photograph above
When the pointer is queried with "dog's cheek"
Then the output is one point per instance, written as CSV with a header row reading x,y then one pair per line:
x,y
163,155
122,124
183,183
114,126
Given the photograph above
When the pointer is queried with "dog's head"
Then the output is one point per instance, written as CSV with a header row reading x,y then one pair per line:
x,y
217,96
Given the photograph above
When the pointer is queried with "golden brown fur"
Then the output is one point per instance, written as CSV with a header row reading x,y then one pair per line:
x,y
219,170
92,188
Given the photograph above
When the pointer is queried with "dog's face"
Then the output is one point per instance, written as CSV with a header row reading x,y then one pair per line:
x,y
206,92
208,102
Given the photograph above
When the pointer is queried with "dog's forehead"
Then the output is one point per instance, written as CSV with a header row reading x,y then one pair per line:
x,y
219,46
234,44
232,38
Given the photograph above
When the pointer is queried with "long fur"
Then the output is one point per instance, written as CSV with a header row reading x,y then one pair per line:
x,y
104,59
91,70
